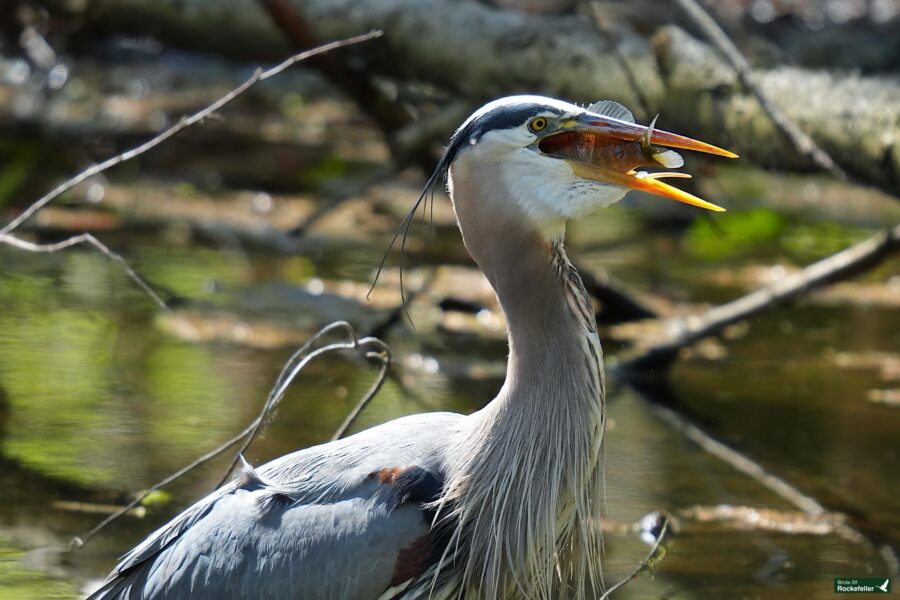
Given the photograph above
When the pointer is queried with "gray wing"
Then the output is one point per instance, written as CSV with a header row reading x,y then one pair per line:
x,y
340,520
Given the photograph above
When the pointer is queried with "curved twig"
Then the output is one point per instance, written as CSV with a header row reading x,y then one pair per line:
x,y
302,357
292,368
385,357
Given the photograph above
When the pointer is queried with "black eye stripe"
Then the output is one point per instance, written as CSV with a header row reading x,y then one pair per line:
x,y
504,117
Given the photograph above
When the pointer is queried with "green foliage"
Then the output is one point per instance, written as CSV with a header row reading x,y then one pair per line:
x,y
762,231
733,233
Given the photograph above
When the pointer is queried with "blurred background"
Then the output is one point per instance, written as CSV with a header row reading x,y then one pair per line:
x,y
268,220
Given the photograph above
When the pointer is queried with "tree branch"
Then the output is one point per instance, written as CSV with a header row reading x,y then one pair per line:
x,y
198,117
686,331
258,76
389,115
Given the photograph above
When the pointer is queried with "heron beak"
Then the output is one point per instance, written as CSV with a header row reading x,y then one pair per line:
x,y
608,150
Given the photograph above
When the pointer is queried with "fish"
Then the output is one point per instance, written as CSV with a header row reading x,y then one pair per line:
x,y
615,154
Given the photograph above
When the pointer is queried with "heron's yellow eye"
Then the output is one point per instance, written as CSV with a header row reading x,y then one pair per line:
x,y
537,124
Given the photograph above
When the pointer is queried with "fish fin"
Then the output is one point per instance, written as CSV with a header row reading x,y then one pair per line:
x,y
612,109
646,136
668,159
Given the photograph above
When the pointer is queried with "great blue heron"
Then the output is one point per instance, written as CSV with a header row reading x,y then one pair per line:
x,y
497,504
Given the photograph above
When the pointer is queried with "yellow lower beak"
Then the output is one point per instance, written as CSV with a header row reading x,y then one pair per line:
x,y
646,182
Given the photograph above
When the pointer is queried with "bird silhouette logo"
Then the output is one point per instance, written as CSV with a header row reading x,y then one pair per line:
x,y
884,586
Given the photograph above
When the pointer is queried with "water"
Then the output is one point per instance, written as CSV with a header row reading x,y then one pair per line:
x,y
99,399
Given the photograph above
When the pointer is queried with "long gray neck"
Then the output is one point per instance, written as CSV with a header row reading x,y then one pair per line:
x,y
526,472
549,315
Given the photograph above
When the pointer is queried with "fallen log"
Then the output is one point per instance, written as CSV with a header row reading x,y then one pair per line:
x,y
478,51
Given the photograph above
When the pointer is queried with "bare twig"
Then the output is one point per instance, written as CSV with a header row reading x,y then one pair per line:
x,y
804,144
298,361
79,541
258,76
292,368
85,238
653,557
385,357
689,330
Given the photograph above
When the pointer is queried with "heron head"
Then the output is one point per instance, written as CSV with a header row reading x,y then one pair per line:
x,y
550,161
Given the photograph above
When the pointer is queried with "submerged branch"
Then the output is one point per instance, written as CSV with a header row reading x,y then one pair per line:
x,y
665,405
738,461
